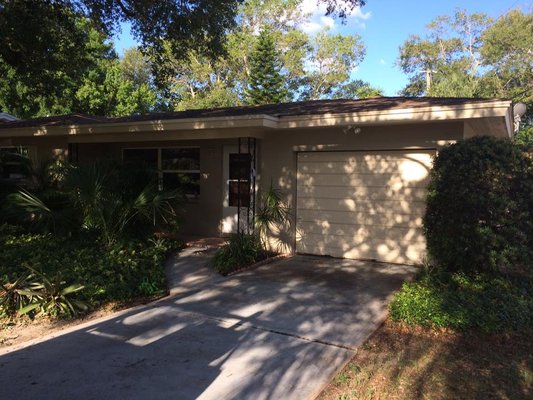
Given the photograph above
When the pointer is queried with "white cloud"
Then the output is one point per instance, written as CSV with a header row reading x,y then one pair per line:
x,y
382,62
310,27
318,19
327,22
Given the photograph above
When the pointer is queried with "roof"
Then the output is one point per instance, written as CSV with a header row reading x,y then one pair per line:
x,y
314,107
5,117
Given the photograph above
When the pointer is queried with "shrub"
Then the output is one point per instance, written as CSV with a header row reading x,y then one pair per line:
x,y
240,251
479,206
460,301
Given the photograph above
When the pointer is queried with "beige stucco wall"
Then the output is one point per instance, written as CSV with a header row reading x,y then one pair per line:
x,y
279,154
277,157
41,149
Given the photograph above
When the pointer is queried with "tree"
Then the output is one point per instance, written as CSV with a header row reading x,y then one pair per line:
x,y
333,58
473,56
507,50
357,89
52,90
199,81
107,91
38,36
266,81
447,56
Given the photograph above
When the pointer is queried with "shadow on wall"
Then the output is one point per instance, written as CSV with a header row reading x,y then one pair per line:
x,y
363,205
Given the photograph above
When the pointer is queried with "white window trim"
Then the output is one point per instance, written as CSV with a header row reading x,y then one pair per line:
x,y
160,170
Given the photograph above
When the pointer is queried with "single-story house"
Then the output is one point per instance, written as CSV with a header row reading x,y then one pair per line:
x,y
354,172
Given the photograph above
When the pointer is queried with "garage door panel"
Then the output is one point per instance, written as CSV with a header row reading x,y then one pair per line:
x,y
314,217
416,208
370,157
369,180
363,205
359,233
393,252
367,193
370,246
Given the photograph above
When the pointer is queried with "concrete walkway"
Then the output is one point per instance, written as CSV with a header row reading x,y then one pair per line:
x,y
279,331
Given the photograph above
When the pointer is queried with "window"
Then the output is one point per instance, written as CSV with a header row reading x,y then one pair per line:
x,y
12,163
239,179
178,167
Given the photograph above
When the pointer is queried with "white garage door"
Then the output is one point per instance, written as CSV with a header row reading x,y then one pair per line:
x,y
363,205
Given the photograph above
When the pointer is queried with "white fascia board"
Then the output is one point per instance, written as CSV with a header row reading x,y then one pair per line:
x,y
190,124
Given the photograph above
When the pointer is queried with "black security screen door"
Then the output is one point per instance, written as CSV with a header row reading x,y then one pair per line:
x,y
241,188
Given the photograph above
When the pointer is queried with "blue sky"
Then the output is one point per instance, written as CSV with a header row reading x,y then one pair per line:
x,y
384,25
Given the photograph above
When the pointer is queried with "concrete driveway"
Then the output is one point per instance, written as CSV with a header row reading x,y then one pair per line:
x,y
279,331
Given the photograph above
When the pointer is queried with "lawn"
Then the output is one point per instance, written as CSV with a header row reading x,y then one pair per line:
x,y
413,362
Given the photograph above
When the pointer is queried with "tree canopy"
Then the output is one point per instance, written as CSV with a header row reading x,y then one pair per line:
x,y
312,66
472,55
57,57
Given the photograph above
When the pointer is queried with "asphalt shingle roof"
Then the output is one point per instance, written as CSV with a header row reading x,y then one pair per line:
x,y
314,107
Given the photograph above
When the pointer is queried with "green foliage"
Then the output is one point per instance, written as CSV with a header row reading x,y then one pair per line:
x,y
267,85
50,296
357,90
272,212
479,206
11,298
313,67
470,55
333,58
113,200
118,87
524,136
463,302
118,273
507,49
240,251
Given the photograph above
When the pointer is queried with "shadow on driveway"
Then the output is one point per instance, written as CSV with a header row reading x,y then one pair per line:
x,y
279,331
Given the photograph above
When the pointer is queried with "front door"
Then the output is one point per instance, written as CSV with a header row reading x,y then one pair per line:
x,y
229,213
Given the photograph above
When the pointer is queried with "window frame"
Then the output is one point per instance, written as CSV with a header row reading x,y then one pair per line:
x,y
27,154
161,171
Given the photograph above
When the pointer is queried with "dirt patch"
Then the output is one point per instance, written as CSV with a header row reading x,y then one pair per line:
x,y
22,329
401,362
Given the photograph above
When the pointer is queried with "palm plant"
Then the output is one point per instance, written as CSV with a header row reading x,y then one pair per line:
x,y
114,204
272,212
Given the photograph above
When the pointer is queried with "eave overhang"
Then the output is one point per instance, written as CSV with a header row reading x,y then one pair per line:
x,y
258,125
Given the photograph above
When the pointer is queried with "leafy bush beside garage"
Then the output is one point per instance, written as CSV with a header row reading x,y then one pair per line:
x,y
479,230
479,213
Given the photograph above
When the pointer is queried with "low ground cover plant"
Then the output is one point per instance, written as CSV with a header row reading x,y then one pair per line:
x,y
489,303
107,274
74,237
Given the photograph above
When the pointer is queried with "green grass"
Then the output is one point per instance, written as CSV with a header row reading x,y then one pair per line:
x,y
120,273
485,302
